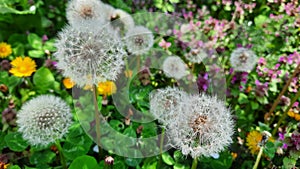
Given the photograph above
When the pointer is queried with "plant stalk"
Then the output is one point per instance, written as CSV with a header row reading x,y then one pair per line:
x,y
281,94
285,113
61,156
97,119
195,163
258,157
162,137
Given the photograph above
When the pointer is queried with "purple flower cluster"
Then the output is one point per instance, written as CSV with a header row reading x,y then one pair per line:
x,y
261,89
203,82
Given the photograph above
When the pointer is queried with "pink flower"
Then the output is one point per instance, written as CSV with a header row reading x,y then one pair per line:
x,y
164,44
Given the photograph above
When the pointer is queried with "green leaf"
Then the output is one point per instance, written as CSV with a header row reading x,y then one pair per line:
x,y
72,151
4,9
167,158
15,141
180,166
130,132
43,79
254,105
14,167
133,162
260,20
273,87
84,162
2,142
174,1
36,53
243,98
35,41
288,163
270,149
42,157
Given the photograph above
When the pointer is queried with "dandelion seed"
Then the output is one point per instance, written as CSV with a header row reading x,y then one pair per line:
x,y
204,127
139,40
89,57
81,10
174,67
243,59
44,119
165,104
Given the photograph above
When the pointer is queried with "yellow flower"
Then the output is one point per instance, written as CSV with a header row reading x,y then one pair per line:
x,y
5,50
3,165
107,88
68,83
253,140
22,67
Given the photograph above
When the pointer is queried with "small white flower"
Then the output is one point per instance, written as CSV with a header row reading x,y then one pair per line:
x,y
196,55
204,127
139,40
89,56
174,67
243,59
165,104
44,119
80,10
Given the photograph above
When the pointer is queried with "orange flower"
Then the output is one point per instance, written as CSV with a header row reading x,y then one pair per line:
x,y
22,67
107,88
5,50
68,83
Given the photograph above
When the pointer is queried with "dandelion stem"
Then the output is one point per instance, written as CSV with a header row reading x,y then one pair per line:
x,y
61,156
162,136
195,163
258,157
285,113
281,94
97,119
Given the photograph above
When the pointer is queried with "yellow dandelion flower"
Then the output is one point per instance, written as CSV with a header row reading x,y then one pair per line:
x,y
5,50
253,140
68,83
107,88
3,165
22,67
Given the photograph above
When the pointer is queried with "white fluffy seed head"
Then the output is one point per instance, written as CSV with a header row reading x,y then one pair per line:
x,y
89,57
204,128
44,119
174,67
243,59
166,103
81,10
122,17
139,40
196,55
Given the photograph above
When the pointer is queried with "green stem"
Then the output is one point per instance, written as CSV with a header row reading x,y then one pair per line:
x,y
229,79
61,156
195,163
97,119
162,137
280,95
258,158
286,112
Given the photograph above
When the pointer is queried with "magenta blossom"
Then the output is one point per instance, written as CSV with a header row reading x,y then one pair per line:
x,y
164,44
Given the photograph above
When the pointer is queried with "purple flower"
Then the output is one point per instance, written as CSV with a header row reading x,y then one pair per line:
x,y
44,38
285,101
203,82
281,136
295,139
261,89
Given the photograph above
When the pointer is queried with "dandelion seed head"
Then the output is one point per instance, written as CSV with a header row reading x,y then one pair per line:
x,y
44,119
139,40
89,57
196,55
165,104
243,59
81,10
174,67
123,17
204,127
